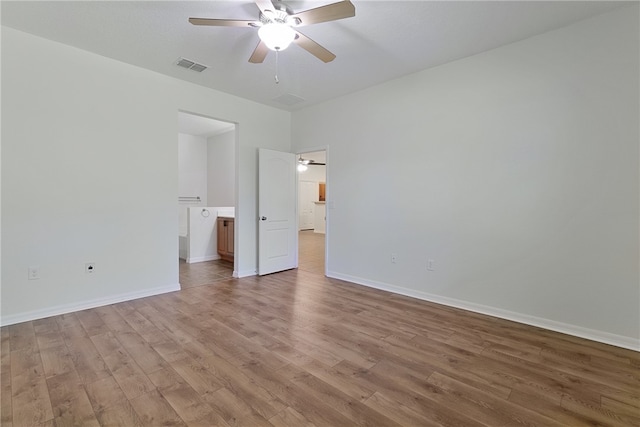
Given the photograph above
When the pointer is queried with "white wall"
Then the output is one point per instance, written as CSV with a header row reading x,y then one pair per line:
x,y
221,169
515,170
315,173
94,141
192,175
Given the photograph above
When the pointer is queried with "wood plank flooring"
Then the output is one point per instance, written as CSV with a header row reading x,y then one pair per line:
x,y
311,259
204,273
311,251
299,349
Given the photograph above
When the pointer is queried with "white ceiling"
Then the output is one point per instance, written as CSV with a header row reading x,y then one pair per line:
x,y
385,40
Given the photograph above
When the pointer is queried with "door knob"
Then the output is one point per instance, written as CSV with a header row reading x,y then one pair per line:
x,y
264,218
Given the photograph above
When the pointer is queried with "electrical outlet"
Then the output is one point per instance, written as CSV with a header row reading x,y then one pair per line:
x,y
394,258
34,272
89,267
430,264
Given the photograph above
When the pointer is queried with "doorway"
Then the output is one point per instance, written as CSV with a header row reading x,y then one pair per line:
x,y
312,181
206,190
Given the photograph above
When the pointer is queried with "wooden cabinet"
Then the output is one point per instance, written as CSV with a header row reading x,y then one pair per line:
x,y
225,227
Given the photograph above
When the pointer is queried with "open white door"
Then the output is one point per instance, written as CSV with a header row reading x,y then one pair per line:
x,y
277,222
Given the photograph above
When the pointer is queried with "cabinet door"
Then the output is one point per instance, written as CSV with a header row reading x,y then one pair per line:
x,y
222,237
229,233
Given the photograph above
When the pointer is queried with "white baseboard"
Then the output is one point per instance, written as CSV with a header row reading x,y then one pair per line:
x,y
84,305
192,260
565,328
244,273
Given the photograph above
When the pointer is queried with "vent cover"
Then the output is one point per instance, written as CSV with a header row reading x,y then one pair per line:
x,y
190,65
288,99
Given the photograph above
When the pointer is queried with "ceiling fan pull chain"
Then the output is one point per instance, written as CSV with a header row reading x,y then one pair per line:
x,y
276,76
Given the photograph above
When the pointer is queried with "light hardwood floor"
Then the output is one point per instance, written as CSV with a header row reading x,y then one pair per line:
x,y
311,251
311,259
299,349
204,273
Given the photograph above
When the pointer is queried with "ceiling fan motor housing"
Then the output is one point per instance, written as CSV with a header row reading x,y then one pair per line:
x,y
280,16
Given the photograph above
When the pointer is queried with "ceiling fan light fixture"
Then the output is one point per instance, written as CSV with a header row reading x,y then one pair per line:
x,y
302,167
276,35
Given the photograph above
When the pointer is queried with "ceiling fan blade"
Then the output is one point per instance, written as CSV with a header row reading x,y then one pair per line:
x,y
223,22
259,53
264,5
313,48
330,12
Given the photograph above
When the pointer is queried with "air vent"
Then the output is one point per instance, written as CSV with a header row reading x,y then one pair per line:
x,y
288,99
190,65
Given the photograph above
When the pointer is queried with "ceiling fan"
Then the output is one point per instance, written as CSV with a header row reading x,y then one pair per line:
x,y
304,163
277,25
309,162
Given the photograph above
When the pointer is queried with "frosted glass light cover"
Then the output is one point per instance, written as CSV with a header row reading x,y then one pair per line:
x,y
276,36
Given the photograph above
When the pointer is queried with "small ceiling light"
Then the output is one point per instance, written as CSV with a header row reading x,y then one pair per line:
x,y
277,35
302,167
